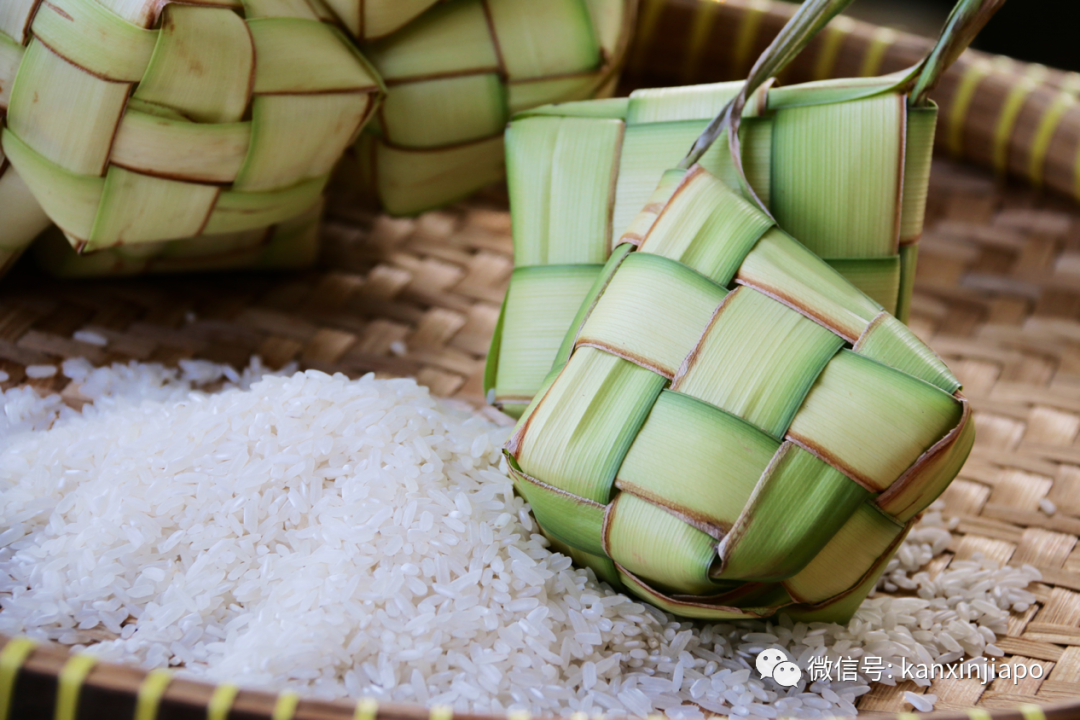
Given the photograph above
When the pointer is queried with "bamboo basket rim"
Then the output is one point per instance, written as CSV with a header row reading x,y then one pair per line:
x,y
1032,134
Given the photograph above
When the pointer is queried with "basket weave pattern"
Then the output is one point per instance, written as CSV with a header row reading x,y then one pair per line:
x,y
192,151
420,155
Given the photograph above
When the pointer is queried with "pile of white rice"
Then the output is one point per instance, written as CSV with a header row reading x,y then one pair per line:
x,y
358,538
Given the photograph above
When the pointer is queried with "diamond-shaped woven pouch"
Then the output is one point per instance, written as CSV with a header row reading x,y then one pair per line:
x,y
579,173
732,428
138,122
456,75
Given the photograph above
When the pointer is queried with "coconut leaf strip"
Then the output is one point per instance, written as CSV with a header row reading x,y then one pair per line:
x,y
90,36
412,181
540,305
652,313
707,226
879,278
573,520
691,607
578,434
69,199
45,90
202,64
798,506
659,547
205,152
931,473
871,421
697,460
889,341
848,556
433,113
837,173
757,361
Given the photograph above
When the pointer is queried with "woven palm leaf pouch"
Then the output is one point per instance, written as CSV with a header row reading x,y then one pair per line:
x,y
455,76
142,122
731,427
843,165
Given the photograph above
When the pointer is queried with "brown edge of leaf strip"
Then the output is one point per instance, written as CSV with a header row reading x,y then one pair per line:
x,y
438,148
30,17
361,20
592,306
943,445
687,178
170,176
880,317
625,355
59,11
605,532
250,97
513,444
827,457
375,106
691,357
898,220
495,41
712,527
883,560
787,300
123,108
738,529
517,471
700,601
89,72
408,79
613,184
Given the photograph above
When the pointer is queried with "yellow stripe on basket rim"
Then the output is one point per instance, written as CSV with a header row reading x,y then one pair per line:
x,y
700,30
648,19
907,716
441,712
1032,712
285,706
831,42
1010,110
1048,126
151,690
519,715
972,77
366,709
70,682
12,658
221,702
880,42
979,714
754,14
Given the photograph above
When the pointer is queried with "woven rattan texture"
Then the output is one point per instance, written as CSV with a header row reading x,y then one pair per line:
x,y
998,296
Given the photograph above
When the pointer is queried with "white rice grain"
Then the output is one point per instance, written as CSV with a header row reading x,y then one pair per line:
x,y
357,537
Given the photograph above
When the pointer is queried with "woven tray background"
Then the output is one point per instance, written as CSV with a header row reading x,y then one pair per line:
x,y
998,296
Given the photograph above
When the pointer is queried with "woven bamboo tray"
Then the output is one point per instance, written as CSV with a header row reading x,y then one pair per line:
x,y
998,296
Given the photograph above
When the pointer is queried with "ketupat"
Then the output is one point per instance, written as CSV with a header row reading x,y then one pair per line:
x,y
843,165
732,428
455,76
184,129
